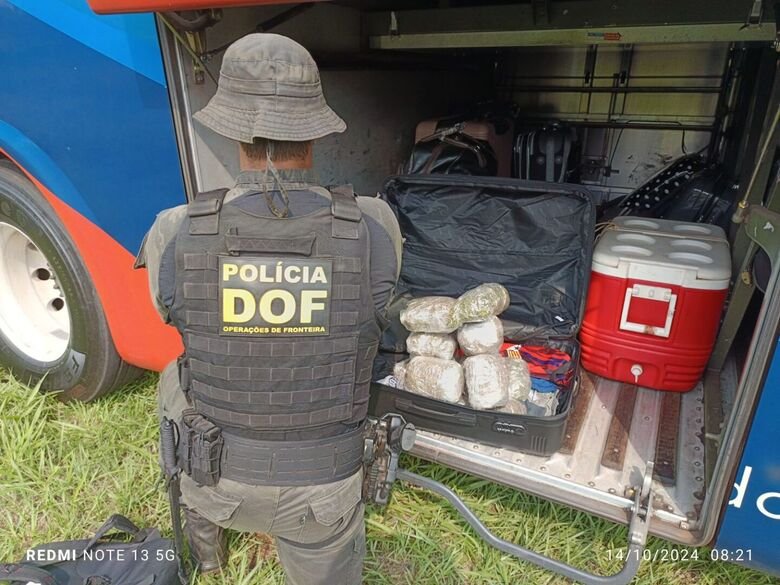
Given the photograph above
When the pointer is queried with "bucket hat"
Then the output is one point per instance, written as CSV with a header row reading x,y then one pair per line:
x,y
269,87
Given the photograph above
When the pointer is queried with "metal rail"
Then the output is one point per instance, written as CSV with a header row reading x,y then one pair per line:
x,y
643,125
619,89
637,533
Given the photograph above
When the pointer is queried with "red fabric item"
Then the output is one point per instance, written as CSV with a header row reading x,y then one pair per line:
x,y
543,362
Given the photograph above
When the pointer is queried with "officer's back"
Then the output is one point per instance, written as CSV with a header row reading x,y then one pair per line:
x,y
278,287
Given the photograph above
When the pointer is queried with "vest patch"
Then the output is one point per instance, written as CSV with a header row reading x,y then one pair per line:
x,y
265,297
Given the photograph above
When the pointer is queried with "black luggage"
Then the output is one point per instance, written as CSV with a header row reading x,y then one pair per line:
x,y
534,238
148,559
550,153
707,198
689,189
451,150
496,130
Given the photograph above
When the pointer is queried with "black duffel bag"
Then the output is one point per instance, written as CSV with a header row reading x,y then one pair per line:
x,y
147,559
450,151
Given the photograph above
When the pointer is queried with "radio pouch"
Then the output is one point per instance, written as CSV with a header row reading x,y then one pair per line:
x,y
200,448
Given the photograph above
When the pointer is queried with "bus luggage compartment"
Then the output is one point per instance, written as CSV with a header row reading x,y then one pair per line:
x,y
627,134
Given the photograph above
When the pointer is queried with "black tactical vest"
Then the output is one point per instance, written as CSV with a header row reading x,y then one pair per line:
x,y
280,333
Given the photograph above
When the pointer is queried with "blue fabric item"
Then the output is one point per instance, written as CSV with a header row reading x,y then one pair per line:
x,y
542,385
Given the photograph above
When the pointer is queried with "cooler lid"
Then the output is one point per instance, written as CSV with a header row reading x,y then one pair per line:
x,y
535,238
679,252
669,227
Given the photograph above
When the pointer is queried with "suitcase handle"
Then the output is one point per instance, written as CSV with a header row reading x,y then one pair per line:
x,y
410,407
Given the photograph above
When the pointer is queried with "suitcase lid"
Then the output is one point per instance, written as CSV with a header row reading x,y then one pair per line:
x,y
691,255
534,238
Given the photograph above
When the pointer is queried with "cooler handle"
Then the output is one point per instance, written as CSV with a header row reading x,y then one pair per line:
x,y
654,293
410,407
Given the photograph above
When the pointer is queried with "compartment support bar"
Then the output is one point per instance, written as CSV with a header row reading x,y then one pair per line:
x,y
666,34
637,533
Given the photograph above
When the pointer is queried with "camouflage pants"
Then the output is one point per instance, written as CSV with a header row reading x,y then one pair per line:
x,y
319,530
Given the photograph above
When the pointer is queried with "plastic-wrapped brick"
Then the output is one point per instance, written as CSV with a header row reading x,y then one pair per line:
x,y
440,345
429,315
519,378
515,407
399,373
479,304
434,377
484,337
487,381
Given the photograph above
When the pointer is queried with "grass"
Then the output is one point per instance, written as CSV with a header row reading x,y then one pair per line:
x,y
64,468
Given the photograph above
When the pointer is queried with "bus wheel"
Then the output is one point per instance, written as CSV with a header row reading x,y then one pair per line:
x,y
52,326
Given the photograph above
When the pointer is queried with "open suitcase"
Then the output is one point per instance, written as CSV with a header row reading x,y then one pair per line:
x,y
534,238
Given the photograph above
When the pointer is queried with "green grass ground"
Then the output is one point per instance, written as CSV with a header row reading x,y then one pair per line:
x,y
64,468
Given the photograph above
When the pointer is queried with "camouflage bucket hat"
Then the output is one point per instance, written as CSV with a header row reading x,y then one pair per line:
x,y
269,87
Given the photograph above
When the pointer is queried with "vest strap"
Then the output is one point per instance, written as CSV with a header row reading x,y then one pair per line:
x,y
203,212
185,377
301,246
346,213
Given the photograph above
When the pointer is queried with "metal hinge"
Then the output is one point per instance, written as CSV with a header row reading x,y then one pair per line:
x,y
754,16
639,526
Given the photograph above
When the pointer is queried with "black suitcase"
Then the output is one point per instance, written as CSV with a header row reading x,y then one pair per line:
x,y
550,153
534,238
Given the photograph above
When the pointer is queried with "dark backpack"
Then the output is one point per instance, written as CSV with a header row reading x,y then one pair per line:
x,y
549,154
147,559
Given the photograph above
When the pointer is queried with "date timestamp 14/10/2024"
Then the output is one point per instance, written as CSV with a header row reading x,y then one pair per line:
x,y
674,555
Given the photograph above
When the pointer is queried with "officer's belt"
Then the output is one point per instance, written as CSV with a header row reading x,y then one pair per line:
x,y
280,463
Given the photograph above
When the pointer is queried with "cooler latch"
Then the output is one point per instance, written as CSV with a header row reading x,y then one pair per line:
x,y
650,293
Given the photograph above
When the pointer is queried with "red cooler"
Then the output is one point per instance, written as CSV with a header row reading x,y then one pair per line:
x,y
656,294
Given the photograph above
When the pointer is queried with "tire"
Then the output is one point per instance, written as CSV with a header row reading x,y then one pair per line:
x,y
52,326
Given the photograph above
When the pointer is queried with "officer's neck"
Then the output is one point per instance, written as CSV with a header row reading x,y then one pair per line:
x,y
252,164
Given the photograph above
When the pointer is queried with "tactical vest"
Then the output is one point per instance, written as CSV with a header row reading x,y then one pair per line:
x,y
280,334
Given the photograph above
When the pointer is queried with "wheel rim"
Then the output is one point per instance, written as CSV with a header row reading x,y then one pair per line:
x,y
34,316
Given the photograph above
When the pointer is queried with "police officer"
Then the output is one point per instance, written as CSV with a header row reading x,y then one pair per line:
x,y
278,288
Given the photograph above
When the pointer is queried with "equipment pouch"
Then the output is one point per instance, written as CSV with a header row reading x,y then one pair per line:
x,y
200,448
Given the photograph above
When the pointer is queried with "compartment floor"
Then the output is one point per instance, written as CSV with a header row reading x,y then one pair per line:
x,y
614,430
